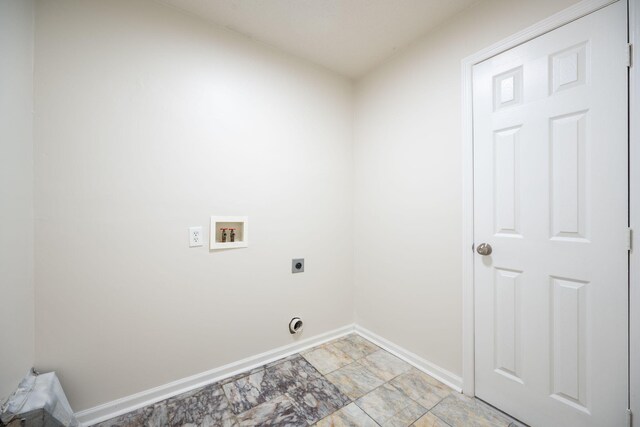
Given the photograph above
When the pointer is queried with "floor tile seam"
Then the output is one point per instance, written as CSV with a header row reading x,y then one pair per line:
x,y
341,351
365,393
344,366
450,391
279,392
509,418
376,375
440,419
396,376
327,373
300,410
492,409
316,369
339,409
355,360
366,413
349,399
266,399
358,357
414,401
264,367
382,385
282,360
323,376
421,405
436,405
436,415
229,406
440,399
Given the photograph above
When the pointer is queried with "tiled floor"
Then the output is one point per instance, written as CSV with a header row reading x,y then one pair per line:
x,y
347,382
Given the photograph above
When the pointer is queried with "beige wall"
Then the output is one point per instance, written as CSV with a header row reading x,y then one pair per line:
x,y
16,192
408,182
147,122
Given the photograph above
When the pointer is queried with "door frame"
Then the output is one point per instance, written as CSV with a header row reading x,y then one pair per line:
x,y
634,210
579,10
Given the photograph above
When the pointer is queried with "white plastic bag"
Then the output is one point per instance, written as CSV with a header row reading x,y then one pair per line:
x,y
39,392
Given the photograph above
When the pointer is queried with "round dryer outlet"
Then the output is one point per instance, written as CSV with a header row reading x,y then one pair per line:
x,y
295,325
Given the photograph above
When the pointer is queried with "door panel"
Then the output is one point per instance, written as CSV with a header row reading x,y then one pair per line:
x,y
568,180
550,197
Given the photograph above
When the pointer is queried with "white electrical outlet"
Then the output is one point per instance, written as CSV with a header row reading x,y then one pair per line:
x,y
195,237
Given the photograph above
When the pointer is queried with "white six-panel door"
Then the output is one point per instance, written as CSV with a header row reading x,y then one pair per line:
x,y
550,197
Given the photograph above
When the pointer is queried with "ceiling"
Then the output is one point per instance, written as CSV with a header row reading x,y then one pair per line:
x,y
347,36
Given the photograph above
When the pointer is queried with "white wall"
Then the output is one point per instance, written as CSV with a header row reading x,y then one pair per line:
x,y
408,182
16,192
147,122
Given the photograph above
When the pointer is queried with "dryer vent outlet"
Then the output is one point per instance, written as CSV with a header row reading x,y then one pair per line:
x,y
295,326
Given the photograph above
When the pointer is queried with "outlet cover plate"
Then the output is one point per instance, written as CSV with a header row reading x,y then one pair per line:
x,y
297,265
195,237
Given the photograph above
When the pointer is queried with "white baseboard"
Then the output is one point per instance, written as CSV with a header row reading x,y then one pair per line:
x,y
139,400
449,378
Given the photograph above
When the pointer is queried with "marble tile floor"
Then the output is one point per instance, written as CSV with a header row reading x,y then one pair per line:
x,y
346,382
